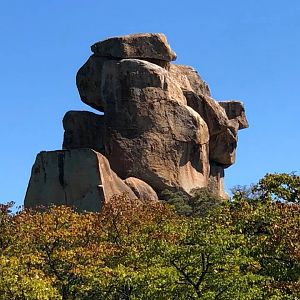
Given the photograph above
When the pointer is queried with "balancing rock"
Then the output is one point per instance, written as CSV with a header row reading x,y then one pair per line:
x,y
160,129
162,125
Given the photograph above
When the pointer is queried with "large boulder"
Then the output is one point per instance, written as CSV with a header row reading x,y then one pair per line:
x,y
81,178
189,79
151,133
161,129
141,189
162,125
88,81
143,45
235,111
222,131
84,129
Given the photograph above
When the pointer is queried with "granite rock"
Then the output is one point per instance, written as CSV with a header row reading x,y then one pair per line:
x,y
162,124
81,178
142,190
84,129
142,45
161,129
235,111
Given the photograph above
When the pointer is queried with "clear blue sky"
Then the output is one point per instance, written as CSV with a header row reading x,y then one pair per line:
x,y
247,50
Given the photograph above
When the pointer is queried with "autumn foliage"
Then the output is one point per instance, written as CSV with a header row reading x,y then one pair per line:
x,y
245,248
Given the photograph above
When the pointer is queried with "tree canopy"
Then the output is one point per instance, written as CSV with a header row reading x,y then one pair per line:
x,y
195,247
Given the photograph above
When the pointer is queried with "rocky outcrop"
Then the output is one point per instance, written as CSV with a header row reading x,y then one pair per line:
x,y
146,46
189,79
216,180
161,128
81,178
162,125
235,111
141,189
151,133
84,129
89,82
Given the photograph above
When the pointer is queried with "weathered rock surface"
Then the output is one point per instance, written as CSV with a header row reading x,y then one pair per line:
x,y
142,45
161,129
216,180
84,129
89,82
152,134
222,131
162,125
235,111
81,178
189,79
141,189
149,47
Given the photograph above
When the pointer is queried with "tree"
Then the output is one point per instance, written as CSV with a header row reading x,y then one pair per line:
x,y
282,187
200,203
245,248
270,222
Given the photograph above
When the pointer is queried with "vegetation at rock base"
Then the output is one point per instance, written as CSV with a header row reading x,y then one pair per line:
x,y
245,248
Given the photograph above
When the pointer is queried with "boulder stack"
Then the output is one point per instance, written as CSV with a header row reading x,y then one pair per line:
x,y
161,129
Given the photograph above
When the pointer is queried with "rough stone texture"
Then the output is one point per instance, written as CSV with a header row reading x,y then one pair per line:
x,y
152,134
182,83
160,125
141,189
189,79
235,111
81,178
84,129
88,80
216,180
142,45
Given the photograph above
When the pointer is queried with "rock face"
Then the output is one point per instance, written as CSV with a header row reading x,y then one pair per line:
x,y
84,129
143,45
141,189
151,133
161,127
235,110
148,47
81,178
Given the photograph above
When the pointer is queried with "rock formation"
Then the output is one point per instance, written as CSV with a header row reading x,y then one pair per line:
x,y
161,129
80,177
